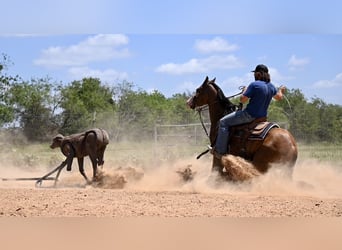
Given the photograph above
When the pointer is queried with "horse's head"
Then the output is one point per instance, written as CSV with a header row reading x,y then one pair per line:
x,y
205,94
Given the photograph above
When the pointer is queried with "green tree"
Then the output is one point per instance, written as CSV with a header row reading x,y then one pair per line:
x,y
138,111
6,110
328,120
311,121
81,102
294,106
179,112
31,102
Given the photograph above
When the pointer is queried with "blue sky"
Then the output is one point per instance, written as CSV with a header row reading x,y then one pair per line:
x,y
171,46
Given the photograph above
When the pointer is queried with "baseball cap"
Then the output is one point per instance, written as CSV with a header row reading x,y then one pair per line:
x,y
260,68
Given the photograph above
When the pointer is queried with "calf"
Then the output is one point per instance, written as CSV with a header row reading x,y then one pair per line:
x,y
90,143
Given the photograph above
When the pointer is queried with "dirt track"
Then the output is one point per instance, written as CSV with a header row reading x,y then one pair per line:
x,y
314,192
120,203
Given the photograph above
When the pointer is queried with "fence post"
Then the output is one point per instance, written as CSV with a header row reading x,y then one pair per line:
x,y
155,140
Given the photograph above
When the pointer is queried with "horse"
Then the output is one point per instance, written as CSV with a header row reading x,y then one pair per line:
x,y
278,147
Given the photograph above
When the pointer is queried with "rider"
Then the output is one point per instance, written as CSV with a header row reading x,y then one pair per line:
x,y
259,93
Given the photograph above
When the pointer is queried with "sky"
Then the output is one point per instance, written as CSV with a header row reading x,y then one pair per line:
x,y
171,46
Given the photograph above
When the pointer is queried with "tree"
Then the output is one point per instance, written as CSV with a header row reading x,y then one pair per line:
x,y
312,121
179,112
138,111
31,102
82,101
6,110
329,121
294,106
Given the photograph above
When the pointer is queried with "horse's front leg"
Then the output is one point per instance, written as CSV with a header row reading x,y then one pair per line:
x,y
217,166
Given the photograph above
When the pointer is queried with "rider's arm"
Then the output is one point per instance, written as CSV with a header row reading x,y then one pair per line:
x,y
279,95
243,98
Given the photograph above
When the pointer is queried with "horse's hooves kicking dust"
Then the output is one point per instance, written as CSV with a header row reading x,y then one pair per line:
x,y
238,169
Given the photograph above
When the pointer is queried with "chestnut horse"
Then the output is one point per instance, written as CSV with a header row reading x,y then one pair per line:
x,y
278,147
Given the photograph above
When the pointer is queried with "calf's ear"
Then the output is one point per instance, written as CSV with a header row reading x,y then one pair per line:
x,y
58,137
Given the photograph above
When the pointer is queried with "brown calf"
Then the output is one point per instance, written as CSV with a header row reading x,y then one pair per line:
x,y
90,143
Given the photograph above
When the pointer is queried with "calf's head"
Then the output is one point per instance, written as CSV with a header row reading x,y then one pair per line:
x,y
57,141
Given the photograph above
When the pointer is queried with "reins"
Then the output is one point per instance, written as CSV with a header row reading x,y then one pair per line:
x,y
199,110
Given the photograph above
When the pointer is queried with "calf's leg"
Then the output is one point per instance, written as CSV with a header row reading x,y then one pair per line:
x,y
100,155
94,163
81,168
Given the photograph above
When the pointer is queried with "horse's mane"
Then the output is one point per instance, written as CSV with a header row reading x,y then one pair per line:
x,y
220,95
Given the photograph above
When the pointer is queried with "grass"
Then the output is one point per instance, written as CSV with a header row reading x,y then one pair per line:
x,y
321,152
143,154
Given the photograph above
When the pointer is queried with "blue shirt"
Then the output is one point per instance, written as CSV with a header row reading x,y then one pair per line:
x,y
260,95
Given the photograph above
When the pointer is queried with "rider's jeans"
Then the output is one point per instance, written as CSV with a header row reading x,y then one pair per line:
x,y
232,119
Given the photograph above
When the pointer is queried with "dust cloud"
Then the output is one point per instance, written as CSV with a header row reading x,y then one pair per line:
x,y
310,177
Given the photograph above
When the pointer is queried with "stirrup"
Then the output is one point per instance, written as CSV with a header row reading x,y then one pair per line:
x,y
216,154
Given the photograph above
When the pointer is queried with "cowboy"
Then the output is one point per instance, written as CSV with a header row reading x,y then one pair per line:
x,y
259,93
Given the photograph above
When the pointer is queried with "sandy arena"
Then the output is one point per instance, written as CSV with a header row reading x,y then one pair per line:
x,y
314,192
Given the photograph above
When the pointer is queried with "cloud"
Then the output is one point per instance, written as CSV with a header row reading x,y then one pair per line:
x,y
215,45
297,63
202,65
236,81
187,86
108,75
94,49
336,82
277,78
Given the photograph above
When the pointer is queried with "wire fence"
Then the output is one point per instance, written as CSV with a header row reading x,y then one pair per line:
x,y
193,135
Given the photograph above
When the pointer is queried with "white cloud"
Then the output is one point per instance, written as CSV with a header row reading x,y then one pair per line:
x,y
215,45
94,49
202,65
336,82
297,63
187,86
277,78
236,81
108,75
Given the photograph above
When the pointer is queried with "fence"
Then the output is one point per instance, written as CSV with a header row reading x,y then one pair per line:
x,y
178,140
191,134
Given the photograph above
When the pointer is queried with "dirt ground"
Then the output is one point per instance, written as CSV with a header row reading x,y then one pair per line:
x,y
155,208
315,191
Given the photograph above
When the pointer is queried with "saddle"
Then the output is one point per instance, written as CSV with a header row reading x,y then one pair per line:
x,y
242,135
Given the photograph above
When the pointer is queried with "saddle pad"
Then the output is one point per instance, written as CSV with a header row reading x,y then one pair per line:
x,y
260,131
